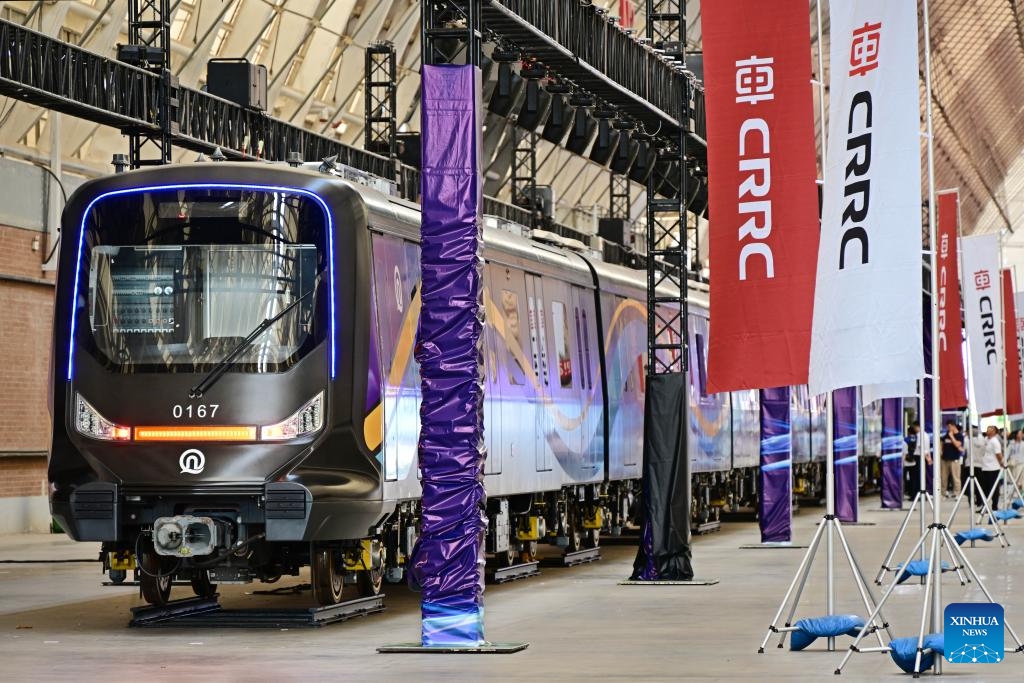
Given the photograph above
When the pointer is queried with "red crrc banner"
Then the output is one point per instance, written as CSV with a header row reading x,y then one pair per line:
x,y
1013,398
952,379
763,197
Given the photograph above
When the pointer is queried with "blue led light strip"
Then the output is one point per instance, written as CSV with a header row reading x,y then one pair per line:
x,y
202,186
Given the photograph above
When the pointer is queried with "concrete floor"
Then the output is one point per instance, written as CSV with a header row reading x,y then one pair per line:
x,y
58,623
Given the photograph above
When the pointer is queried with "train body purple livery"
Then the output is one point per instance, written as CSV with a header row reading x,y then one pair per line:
x,y
235,394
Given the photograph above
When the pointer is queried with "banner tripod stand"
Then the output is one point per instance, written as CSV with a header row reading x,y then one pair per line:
x,y
922,498
973,491
829,528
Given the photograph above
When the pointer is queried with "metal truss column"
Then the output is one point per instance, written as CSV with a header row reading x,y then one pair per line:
x,y
524,172
667,261
380,84
149,47
451,31
666,27
618,196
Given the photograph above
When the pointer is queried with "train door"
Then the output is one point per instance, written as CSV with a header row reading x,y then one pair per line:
x,y
518,380
539,351
492,387
593,457
564,380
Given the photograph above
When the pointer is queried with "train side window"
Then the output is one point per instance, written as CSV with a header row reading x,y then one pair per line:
x,y
702,366
560,321
514,340
586,351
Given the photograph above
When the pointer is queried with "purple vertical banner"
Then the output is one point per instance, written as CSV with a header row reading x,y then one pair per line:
x,y
776,466
892,453
844,448
448,558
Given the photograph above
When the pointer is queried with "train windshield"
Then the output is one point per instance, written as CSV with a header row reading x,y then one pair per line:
x,y
177,279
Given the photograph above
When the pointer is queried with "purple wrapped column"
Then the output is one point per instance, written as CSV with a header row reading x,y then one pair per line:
x,y
892,453
845,447
776,466
448,558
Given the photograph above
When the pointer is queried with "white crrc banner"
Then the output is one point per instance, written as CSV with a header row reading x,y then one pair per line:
x,y
983,306
867,327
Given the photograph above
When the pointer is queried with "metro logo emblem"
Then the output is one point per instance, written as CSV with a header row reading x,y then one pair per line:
x,y
192,461
864,49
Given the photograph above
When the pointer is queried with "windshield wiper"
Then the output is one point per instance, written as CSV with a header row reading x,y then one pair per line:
x,y
222,366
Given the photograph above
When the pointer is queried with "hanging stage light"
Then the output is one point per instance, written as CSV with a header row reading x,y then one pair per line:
x,y
560,114
643,163
666,178
584,127
508,92
607,138
626,149
535,105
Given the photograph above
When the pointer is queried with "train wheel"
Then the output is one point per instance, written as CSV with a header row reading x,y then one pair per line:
x,y
508,557
201,584
369,581
327,578
117,576
593,538
574,530
155,584
529,552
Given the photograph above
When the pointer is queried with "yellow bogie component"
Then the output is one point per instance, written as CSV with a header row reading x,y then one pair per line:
x,y
529,529
595,522
121,561
361,558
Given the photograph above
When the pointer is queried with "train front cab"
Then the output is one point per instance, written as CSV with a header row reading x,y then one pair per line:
x,y
207,405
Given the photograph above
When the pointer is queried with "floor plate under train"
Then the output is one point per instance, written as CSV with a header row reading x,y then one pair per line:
x,y
513,573
208,613
575,558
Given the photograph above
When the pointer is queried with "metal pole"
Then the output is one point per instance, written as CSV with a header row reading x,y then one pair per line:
x,y
936,569
821,86
53,206
830,487
830,512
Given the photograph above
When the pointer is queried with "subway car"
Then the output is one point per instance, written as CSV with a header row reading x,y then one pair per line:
x,y
235,395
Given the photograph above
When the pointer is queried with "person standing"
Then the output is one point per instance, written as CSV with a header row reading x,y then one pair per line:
x,y
991,463
1015,458
952,450
911,472
917,445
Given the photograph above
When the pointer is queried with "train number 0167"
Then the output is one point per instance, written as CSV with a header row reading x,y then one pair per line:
x,y
201,411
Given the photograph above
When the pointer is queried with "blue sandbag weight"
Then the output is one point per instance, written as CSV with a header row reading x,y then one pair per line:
x,y
810,629
973,534
904,651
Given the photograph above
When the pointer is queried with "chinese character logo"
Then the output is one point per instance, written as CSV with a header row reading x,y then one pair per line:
x,y
982,280
944,246
755,79
864,49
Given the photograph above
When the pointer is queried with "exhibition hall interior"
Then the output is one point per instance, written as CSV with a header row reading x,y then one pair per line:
x,y
618,340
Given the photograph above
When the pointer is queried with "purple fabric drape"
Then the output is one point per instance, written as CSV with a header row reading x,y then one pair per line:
x,y
448,558
892,453
776,466
845,447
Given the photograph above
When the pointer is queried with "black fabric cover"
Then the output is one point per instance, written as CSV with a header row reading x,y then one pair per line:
x,y
664,553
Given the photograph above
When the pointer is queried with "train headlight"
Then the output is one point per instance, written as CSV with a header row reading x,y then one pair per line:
x,y
308,419
90,423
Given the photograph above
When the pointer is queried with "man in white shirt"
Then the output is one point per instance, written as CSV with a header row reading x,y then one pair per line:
x,y
991,463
